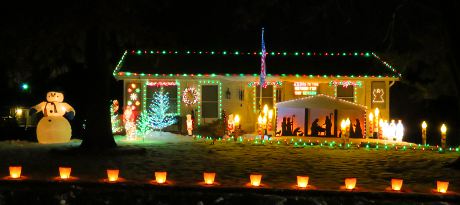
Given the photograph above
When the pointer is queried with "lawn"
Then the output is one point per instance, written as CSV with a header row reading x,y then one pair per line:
x,y
185,160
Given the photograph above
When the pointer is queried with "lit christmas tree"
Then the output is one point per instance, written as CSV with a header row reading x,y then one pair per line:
x,y
158,116
143,124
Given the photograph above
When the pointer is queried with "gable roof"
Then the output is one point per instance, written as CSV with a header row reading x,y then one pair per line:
x,y
320,101
358,64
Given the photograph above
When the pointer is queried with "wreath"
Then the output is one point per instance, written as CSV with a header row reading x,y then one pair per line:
x,y
190,96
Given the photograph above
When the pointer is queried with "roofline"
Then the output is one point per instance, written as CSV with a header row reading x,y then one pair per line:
x,y
136,76
121,75
323,95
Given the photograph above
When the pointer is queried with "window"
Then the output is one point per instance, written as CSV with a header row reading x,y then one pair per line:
x,y
267,96
278,95
346,93
172,94
210,101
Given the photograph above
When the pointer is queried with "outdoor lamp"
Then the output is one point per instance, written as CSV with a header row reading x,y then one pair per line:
x,y
209,177
270,115
15,172
160,177
112,174
396,184
350,183
442,186
255,179
64,172
302,181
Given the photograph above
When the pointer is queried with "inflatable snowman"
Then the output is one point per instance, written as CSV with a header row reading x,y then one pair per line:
x,y
54,127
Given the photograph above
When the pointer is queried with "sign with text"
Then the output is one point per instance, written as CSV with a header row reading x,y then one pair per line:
x,y
305,88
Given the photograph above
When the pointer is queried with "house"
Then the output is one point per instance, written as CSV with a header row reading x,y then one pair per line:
x,y
208,83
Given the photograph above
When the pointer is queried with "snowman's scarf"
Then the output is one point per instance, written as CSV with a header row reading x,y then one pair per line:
x,y
46,112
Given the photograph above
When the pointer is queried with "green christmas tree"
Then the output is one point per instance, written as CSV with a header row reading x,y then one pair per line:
x,y
159,117
143,124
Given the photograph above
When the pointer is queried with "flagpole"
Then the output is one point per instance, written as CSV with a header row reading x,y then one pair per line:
x,y
262,82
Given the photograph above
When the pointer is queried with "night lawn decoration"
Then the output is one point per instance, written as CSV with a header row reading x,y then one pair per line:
x,y
159,117
54,127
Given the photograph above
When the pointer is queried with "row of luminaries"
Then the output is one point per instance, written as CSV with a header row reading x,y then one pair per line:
x,y
255,179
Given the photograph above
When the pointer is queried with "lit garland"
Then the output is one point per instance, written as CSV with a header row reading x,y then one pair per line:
x,y
267,83
190,96
345,83
161,83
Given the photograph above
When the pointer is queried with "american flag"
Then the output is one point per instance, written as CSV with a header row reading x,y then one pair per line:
x,y
263,72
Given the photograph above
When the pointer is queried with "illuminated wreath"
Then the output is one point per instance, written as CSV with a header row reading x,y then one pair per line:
x,y
190,96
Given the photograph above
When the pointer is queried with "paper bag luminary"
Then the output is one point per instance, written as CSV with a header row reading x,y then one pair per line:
x,y
54,127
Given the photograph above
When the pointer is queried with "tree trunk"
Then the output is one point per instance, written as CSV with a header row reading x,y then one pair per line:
x,y
98,132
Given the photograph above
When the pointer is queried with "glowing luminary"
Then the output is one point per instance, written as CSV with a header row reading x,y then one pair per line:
x,y
64,172
443,136
424,126
209,177
302,181
442,186
255,179
160,177
112,174
396,184
350,183
15,172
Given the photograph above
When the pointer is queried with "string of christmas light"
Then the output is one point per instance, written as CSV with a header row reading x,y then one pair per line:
x,y
186,75
164,52
299,143
332,98
345,83
387,64
237,53
190,92
274,83
210,82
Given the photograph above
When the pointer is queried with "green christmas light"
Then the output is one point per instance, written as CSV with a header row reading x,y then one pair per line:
x,y
25,86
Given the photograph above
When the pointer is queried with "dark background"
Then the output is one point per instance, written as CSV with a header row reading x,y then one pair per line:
x,y
46,45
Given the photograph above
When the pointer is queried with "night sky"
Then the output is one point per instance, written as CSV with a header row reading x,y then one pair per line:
x,y
47,46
